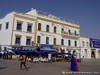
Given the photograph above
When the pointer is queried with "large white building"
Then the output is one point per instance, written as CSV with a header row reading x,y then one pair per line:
x,y
35,27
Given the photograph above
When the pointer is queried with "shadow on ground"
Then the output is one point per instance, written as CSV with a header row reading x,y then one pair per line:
x,y
3,68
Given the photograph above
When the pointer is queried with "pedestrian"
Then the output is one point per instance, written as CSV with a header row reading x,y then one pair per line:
x,y
49,58
74,65
23,61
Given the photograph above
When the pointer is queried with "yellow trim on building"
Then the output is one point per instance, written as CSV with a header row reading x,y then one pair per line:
x,y
67,35
24,17
24,31
28,37
62,24
35,31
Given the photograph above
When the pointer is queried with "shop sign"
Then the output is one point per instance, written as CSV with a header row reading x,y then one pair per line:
x,y
94,43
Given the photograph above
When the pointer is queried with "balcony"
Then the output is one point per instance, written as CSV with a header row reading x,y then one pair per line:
x,y
73,34
64,34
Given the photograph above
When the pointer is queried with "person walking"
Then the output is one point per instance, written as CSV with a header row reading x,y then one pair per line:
x,y
74,65
23,61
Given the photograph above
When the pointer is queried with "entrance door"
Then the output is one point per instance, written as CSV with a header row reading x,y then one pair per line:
x,y
92,54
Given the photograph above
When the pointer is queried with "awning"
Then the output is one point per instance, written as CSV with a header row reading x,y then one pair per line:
x,y
20,48
16,48
47,49
28,49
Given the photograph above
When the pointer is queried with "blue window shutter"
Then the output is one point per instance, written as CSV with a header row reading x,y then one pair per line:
x,y
19,26
29,28
17,41
28,41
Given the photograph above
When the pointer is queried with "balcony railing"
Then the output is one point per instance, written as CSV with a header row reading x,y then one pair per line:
x,y
64,33
69,34
73,34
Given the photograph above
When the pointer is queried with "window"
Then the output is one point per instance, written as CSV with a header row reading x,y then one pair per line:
x,y
39,26
28,41
7,25
62,30
54,29
69,31
54,41
83,44
0,26
47,40
17,41
75,43
87,44
69,42
62,41
47,28
19,26
75,33
38,39
29,28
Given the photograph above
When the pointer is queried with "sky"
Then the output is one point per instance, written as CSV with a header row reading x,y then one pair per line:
x,y
85,12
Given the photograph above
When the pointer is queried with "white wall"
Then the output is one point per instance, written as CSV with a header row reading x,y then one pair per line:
x,y
85,47
56,35
83,54
5,34
23,32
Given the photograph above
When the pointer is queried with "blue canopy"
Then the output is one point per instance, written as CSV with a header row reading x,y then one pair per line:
x,y
16,48
28,49
47,47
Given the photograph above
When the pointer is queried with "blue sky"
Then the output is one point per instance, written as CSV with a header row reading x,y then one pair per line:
x,y
85,12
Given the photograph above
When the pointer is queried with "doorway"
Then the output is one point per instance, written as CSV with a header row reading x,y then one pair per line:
x,y
93,54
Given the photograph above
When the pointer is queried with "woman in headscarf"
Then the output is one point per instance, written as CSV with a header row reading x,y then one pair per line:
x,y
74,65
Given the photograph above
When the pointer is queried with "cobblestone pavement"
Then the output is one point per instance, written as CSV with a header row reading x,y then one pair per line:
x,y
86,67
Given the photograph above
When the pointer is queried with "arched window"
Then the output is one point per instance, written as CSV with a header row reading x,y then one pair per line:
x,y
55,29
54,41
75,43
39,26
69,31
75,33
62,30
62,41
38,39
69,42
83,44
47,40
47,28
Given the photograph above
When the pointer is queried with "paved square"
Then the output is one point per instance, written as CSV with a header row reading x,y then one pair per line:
x,y
86,67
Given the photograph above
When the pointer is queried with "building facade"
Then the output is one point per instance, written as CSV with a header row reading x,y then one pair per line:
x,y
90,48
35,28
85,47
95,48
